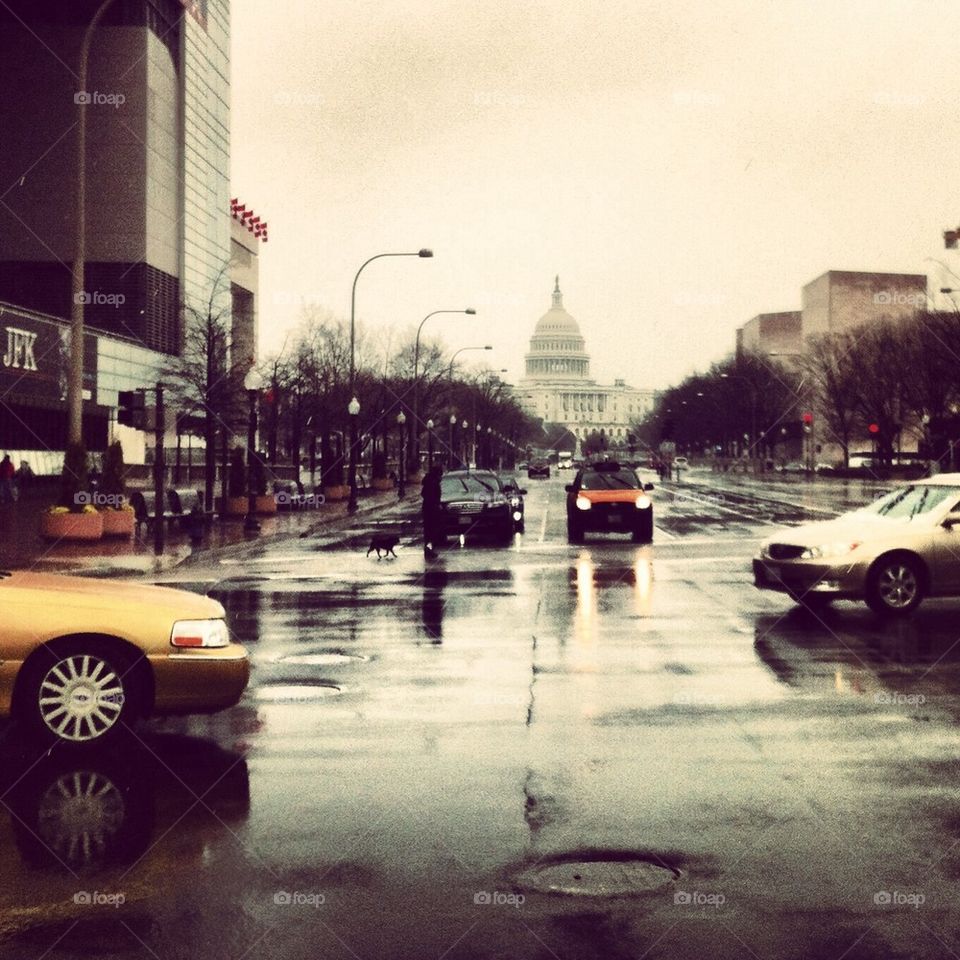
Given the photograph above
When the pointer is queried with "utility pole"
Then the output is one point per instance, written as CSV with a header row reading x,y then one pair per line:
x,y
158,475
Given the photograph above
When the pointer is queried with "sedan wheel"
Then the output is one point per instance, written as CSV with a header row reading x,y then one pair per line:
x,y
80,698
895,587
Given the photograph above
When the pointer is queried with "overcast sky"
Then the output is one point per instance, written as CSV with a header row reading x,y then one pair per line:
x,y
682,165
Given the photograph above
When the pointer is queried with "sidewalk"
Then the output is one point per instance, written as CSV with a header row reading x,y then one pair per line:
x,y
21,546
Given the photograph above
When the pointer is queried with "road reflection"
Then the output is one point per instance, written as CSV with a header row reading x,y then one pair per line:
x,y
133,820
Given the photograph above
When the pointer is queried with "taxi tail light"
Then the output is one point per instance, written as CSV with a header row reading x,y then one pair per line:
x,y
199,633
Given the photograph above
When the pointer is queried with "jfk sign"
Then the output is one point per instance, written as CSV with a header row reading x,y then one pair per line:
x,y
34,358
20,355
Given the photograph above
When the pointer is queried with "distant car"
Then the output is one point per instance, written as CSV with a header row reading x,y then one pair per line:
x,y
892,553
473,504
82,658
539,468
793,466
681,463
565,463
522,465
515,493
608,497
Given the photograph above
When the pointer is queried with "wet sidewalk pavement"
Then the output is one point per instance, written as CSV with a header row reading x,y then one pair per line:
x,y
21,546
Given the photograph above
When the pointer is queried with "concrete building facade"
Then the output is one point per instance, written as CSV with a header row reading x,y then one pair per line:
x,y
557,387
158,227
840,300
772,334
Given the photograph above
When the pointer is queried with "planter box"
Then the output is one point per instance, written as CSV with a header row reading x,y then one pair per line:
x,y
382,483
340,491
266,504
71,526
236,507
118,523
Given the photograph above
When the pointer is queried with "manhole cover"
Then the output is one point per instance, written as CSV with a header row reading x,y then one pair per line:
x,y
295,692
323,658
597,878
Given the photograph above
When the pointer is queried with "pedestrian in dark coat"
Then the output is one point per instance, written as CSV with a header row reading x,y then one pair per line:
x,y
430,492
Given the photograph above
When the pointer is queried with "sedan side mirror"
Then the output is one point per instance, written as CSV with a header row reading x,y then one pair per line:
x,y
522,491
648,486
569,488
952,519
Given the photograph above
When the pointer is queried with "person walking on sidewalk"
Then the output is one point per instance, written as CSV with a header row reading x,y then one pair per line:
x,y
432,519
7,472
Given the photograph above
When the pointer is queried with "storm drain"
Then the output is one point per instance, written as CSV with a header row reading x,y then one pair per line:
x,y
323,658
597,878
296,692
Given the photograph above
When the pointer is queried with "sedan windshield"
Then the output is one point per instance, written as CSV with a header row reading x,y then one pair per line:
x,y
911,503
612,480
453,487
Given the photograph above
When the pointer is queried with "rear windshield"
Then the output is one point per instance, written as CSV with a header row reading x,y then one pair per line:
x,y
614,480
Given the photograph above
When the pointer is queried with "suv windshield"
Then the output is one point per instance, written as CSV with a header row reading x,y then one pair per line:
x,y
612,480
908,503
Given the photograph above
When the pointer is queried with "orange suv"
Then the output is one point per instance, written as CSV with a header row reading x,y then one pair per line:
x,y
605,497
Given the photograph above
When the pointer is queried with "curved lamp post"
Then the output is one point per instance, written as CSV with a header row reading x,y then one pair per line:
x,y
453,423
252,383
352,474
429,444
415,457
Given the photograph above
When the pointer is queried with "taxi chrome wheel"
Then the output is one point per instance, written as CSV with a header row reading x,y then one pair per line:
x,y
895,586
77,692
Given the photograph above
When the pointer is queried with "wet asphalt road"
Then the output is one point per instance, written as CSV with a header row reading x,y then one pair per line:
x,y
424,750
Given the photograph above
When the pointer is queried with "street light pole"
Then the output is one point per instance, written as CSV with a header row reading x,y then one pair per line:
x,y
252,383
401,466
429,444
457,354
352,472
416,381
453,423
75,377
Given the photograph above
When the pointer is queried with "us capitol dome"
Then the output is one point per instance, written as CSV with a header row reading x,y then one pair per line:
x,y
557,387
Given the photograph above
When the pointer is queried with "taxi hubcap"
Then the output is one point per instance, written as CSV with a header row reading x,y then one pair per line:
x,y
898,585
81,698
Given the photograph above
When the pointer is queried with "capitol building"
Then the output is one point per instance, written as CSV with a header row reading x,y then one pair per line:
x,y
557,387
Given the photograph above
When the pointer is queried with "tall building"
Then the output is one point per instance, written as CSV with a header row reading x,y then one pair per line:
x,y
839,300
158,224
557,387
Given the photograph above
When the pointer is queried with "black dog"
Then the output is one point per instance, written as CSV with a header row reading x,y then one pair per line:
x,y
383,543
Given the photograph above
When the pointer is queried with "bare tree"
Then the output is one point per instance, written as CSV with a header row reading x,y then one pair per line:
x,y
830,365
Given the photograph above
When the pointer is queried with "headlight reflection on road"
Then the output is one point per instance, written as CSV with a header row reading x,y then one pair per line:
x,y
643,585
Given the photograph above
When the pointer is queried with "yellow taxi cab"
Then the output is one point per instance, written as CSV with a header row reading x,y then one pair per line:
x,y
81,658
607,497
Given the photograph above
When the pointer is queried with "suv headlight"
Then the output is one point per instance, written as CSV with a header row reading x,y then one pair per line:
x,y
200,633
583,503
838,549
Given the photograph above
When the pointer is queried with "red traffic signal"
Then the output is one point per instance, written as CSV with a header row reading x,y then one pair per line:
x,y
874,428
808,418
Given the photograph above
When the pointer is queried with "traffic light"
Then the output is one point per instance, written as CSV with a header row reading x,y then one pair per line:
x,y
950,238
130,411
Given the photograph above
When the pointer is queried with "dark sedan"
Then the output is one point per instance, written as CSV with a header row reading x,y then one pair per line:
x,y
515,493
539,469
474,504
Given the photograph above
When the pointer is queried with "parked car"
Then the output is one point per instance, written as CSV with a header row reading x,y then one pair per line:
x,y
608,497
515,493
82,657
892,553
539,468
681,463
474,504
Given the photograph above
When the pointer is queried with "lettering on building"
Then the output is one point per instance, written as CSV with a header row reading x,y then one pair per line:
x,y
19,355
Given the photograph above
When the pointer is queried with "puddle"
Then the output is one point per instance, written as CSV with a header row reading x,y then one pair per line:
x,y
613,877
296,692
